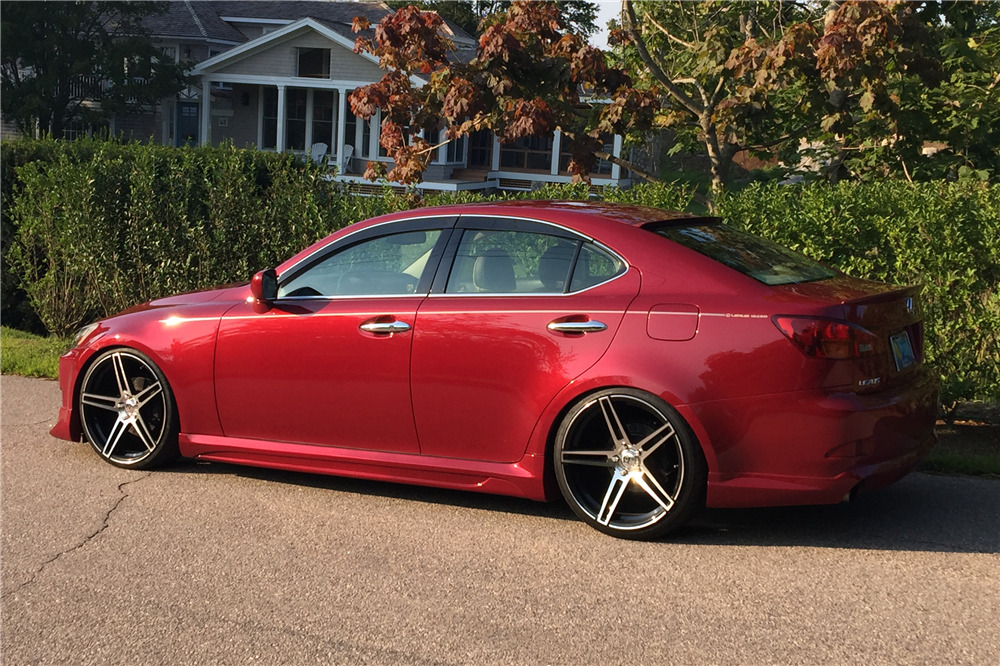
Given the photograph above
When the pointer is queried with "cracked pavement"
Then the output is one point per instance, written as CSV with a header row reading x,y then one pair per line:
x,y
216,564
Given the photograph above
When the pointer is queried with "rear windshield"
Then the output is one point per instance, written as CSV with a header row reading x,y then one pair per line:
x,y
761,259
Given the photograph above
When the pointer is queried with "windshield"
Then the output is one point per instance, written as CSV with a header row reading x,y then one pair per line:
x,y
760,258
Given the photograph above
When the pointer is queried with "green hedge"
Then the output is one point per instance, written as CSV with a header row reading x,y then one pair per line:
x,y
91,228
945,236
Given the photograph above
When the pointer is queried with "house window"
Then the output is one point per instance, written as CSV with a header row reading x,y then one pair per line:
x,y
358,133
601,167
480,148
323,112
78,129
295,121
270,137
314,63
532,153
456,149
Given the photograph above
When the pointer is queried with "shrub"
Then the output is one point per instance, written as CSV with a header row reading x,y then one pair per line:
x,y
90,228
944,236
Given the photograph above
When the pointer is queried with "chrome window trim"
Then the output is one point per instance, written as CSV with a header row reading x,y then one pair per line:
x,y
347,297
523,294
457,225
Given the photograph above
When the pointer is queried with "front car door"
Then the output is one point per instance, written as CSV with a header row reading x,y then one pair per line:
x,y
329,363
523,310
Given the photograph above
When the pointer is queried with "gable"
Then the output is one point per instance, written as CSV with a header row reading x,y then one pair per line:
x,y
280,60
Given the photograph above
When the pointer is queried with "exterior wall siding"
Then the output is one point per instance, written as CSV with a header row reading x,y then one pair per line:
x,y
280,61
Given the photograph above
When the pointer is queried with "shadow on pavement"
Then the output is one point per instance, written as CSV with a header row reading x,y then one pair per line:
x,y
922,512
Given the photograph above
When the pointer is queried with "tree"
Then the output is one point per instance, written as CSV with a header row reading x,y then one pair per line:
x,y
62,60
526,79
868,83
714,98
579,16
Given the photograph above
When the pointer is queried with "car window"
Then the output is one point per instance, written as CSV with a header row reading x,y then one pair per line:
x,y
513,262
594,267
760,258
386,265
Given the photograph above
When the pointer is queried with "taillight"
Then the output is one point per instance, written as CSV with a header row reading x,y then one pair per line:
x,y
826,338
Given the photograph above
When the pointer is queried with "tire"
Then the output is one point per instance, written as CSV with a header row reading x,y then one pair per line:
x,y
127,410
628,464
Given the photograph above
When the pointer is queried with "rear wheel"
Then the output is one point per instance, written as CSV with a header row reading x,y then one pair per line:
x,y
127,410
628,465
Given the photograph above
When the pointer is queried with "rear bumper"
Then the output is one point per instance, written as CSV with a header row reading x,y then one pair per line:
x,y
816,447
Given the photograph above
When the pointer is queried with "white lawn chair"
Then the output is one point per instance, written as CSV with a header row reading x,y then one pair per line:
x,y
345,160
318,152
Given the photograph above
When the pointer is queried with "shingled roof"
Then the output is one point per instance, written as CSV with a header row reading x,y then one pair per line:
x,y
193,20
202,20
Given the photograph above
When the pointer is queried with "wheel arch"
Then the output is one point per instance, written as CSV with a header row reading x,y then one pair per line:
x,y
580,391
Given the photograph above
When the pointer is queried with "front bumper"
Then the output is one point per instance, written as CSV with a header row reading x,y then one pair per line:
x,y
68,423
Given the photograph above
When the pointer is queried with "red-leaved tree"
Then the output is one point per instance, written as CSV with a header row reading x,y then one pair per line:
x,y
528,77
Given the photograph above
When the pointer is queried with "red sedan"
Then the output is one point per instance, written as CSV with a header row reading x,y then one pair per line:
x,y
641,362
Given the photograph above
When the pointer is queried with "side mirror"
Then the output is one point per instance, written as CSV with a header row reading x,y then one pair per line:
x,y
264,287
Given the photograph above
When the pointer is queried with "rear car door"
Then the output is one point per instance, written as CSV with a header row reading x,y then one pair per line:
x,y
519,309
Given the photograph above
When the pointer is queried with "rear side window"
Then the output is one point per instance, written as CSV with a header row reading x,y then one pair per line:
x,y
760,258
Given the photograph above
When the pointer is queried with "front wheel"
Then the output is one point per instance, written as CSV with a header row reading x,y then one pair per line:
x,y
628,464
127,410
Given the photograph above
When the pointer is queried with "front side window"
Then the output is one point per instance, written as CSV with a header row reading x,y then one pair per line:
x,y
383,266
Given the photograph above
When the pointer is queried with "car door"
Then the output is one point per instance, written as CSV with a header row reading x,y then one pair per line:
x,y
524,309
329,362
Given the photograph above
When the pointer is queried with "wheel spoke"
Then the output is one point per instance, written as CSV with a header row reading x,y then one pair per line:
x,y
143,432
120,376
148,394
117,430
101,401
593,458
656,437
647,482
615,427
617,487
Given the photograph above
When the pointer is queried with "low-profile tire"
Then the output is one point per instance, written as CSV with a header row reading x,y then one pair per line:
x,y
628,464
127,410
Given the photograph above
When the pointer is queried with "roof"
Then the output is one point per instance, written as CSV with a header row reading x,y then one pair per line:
x,y
213,21
193,20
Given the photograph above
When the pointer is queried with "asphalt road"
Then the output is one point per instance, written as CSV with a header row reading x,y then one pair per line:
x,y
216,564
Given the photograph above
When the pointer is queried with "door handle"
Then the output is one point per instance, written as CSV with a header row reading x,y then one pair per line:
x,y
589,326
385,327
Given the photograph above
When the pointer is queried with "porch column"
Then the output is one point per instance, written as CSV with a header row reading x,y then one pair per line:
x,y
260,117
206,113
341,121
280,139
310,96
616,170
556,149
495,155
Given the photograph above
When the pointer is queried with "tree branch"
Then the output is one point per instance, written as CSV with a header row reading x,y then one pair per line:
x,y
661,76
667,33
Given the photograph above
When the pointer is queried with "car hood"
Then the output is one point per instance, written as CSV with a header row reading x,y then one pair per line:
x,y
231,293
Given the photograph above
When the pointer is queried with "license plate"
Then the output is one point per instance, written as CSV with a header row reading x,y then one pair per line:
x,y
902,351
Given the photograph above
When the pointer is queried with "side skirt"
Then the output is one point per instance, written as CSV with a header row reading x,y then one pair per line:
x,y
520,479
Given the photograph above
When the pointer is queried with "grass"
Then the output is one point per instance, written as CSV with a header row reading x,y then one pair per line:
x,y
963,448
30,355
